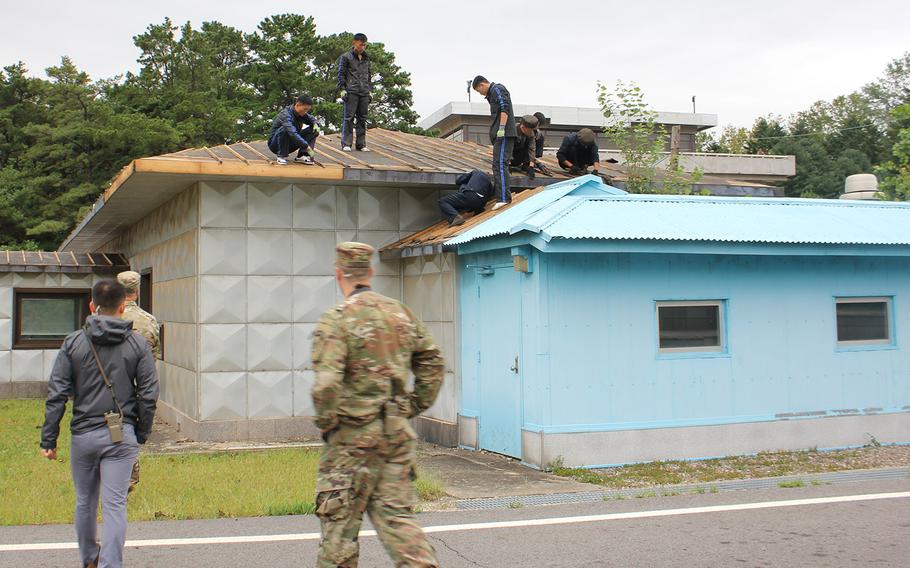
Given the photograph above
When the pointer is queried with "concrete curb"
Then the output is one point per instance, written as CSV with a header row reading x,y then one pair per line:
x,y
669,490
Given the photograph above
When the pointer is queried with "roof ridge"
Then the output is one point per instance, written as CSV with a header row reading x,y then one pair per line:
x,y
746,200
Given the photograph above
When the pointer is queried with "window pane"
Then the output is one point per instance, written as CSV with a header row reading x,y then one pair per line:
x,y
689,326
49,318
862,321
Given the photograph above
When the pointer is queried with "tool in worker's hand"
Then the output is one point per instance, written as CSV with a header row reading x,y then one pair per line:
x,y
543,169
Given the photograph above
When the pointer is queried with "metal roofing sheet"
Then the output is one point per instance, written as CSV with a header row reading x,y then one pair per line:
x,y
512,219
576,210
734,220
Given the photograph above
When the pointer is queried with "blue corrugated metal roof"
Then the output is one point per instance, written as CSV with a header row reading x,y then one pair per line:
x,y
592,210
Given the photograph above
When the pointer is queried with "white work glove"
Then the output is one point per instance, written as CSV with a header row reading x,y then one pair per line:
x,y
341,95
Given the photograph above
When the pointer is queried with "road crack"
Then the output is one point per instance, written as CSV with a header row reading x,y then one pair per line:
x,y
459,554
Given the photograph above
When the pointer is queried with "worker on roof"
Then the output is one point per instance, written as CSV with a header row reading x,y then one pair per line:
x,y
524,154
542,121
578,151
474,190
295,129
355,82
502,134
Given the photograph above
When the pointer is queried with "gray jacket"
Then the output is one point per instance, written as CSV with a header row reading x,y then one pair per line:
x,y
127,359
355,75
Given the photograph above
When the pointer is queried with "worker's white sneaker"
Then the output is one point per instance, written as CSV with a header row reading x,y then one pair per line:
x,y
345,148
364,149
281,161
304,160
499,204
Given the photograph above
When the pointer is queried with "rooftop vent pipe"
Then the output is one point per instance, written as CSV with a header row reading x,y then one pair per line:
x,y
860,187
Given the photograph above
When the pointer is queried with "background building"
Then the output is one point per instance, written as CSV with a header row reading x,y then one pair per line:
x,y
471,121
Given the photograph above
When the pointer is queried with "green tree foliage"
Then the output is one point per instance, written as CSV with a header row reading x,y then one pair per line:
x,y
855,133
632,126
895,173
63,143
64,137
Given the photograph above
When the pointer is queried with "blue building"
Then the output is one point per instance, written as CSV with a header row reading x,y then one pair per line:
x,y
605,328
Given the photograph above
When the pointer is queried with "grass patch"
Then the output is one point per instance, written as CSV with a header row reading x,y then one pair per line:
x,y
516,505
429,488
761,465
187,486
790,484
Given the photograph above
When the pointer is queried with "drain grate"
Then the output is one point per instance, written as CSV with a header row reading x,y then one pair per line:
x,y
666,490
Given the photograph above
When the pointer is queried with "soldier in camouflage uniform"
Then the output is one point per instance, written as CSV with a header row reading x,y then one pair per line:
x,y
363,352
143,322
145,325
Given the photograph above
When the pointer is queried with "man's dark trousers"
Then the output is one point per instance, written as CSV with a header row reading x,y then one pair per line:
x,y
355,118
452,204
502,153
282,143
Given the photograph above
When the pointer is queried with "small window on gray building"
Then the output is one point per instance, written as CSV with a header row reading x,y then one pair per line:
x,y
864,321
690,326
43,318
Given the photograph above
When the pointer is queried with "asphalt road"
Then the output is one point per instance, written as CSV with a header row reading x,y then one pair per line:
x,y
776,530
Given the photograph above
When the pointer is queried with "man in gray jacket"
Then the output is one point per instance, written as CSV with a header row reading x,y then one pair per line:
x,y
355,82
109,371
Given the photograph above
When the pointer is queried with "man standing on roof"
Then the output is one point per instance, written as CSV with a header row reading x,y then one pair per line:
x,y
295,129
578,151
502,134
355,81
474,190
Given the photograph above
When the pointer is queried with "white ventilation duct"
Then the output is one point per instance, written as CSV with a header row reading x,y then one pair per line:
x,y
860,186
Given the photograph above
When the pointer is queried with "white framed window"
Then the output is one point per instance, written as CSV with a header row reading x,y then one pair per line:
x,y
691,326
864,321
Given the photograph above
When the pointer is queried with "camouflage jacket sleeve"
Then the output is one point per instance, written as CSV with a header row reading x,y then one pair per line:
x,y
330,352
155,342
428,367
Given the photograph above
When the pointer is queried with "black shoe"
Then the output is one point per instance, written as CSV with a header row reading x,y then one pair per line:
x,y
456,220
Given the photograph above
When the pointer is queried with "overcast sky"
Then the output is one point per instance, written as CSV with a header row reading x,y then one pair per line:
x,y
740,59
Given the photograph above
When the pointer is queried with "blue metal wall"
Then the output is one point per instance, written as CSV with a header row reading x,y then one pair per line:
x,y
589,339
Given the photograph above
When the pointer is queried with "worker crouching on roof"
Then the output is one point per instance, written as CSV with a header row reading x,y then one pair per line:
x,y
474,190
578,151
295,129
524,154
502,134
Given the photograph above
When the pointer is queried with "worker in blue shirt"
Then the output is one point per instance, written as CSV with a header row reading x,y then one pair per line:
x,y
295,129
502,135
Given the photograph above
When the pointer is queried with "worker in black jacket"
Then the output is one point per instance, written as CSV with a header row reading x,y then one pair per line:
x,y
578,151
295,129
502,134
355,82
474,190
109,372
542,121
524,153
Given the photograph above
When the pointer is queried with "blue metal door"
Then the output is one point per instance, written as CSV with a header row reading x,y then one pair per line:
x,y
499,361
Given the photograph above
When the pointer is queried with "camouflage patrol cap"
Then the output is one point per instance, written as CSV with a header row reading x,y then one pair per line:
x,y
129,280
586,135
353,255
